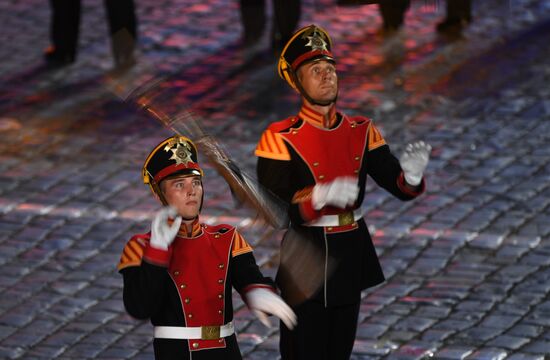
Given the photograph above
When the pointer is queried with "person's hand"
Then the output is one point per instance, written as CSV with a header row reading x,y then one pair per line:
x,y
263,302
340,192
163,234
414,161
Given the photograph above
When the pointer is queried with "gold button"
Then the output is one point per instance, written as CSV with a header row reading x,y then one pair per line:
x,y
183,286
190,316
220,281
176,273
220,341
329,228
353,124
187,300
217,236
357,158
294,132
356,171
220,266
195,345
321,177
220,312
316,164
220,296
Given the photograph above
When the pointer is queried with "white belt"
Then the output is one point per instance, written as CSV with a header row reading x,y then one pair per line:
x,y
199,332
346,218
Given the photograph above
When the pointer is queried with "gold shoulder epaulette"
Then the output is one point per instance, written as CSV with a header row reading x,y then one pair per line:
x,y
374,137
240,246
272,146
133,252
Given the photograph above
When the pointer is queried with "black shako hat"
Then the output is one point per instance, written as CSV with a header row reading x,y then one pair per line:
x,y
310,43
176,155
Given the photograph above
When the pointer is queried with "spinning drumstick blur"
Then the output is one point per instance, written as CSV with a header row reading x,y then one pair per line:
x,y
302,261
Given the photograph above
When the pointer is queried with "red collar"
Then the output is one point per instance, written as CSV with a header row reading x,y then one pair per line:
x,y
196,229
318,119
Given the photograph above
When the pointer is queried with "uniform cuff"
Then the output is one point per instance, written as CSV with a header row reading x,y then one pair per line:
x,y
307,211
251,287
258,286
410,189
156,256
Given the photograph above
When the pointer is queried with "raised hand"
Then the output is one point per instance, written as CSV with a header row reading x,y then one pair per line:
x,y
163,234
414,161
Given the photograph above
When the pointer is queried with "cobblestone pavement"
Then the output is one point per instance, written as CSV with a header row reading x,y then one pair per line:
x,y
468,263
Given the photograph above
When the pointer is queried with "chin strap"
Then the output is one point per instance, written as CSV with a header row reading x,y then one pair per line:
x,y
189,219
303,92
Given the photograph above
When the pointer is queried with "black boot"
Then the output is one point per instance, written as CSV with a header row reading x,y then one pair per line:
x,y
65,23
393,15
458,17
56,58
123,31
253,20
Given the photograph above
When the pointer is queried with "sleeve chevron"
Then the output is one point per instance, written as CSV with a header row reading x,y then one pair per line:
x,y
240,246
375,138
302,195
132,253
272,146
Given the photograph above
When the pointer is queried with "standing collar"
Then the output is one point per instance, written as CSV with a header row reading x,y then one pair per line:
x,y
195,229
318,119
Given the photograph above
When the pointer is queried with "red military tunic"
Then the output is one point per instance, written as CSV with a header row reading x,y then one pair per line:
x,y
295,154
189,285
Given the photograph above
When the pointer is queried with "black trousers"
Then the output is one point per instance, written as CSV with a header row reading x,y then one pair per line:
x,y
65,23
321,334
459,10
169,349
286,17
393,13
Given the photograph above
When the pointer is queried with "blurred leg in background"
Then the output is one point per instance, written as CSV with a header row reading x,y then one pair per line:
x,y
393,14
64,27
123,31
253,19
458,16
287,16
64,31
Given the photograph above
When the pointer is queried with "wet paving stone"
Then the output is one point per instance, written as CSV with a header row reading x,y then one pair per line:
x,y
414,350
499,321
538,347
453,352
370,331
381,347
493,354
46,352
416,324
436,335
509,342
525,356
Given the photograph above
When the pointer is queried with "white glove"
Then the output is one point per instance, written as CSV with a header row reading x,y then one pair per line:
x,y
263,302
163,234
414,161
340,192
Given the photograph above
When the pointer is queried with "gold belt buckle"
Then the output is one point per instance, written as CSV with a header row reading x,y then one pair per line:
x,y
210,332
345,218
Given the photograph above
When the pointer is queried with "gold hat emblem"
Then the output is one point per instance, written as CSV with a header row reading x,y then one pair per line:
x,y
315,39
181,151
